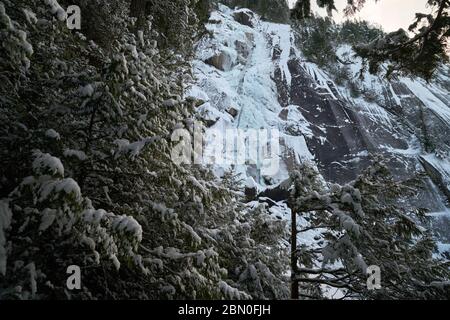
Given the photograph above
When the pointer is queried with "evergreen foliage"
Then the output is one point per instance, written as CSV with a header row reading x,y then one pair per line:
x,y
364,223
420,54
86,174
87,179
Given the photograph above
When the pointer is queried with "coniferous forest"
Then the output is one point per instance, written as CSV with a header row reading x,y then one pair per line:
x,y
222,150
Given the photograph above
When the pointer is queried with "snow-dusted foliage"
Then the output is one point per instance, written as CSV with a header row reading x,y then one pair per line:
x,y
54,213
87,179
86,174
364,223
420,51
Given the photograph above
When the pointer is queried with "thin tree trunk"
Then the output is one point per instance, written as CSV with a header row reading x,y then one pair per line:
x,y
137,10
294,259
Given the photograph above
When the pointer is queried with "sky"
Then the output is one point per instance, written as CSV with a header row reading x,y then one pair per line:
x,y
389,14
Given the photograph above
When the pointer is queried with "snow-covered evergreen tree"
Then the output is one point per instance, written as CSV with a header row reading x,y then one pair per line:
x,y
364,223
420,54
86,173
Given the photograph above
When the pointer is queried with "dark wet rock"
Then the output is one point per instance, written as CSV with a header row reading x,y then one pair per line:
x,y
437,177
245,18
282,88
250,194
276,53
429,126
210,122
279,79
342,137
276,194
212,21
233,112
222,61
283,114
336,133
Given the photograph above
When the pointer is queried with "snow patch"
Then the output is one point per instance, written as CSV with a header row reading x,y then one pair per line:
x,y
45,163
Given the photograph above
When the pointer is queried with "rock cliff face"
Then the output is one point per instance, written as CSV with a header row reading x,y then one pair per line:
x,y
253,67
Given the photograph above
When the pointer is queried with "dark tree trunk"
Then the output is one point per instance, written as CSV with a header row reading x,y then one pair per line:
x,y
137,10
294,259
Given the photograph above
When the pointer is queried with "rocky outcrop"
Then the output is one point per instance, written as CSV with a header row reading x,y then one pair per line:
x,y
244,17
222,60
233,112
440,178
